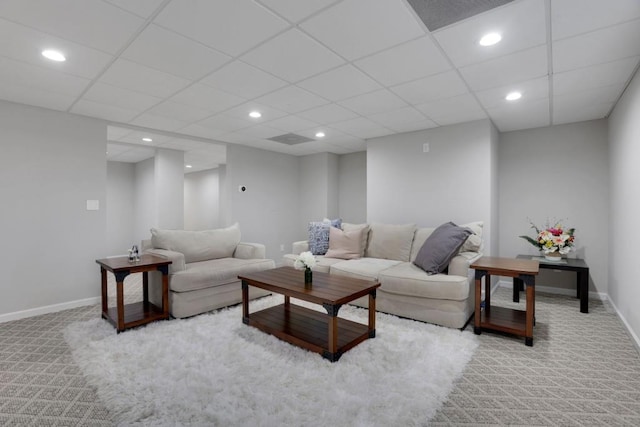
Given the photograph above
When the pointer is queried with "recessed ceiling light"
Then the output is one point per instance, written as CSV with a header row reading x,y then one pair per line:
x,y
512,96
490,39
188,166
147,139
320,135
255,114
54,55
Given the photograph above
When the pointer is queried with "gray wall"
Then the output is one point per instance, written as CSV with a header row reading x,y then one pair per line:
x,y
120,207
318,188
169,188
452,182
352,187
145,214
51,164
557,172
202,200
269,210
624,206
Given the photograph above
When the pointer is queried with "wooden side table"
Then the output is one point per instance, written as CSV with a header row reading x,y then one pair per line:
x,y
567,264
503,319
131,315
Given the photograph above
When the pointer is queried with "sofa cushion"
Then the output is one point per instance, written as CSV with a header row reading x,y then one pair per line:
x,y
344,244
363,268
216,272
410,280
365,234
198,245
418,240
441,245
319,234
389,241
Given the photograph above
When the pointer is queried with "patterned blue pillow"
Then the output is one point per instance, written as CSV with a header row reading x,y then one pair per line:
x,y
319,237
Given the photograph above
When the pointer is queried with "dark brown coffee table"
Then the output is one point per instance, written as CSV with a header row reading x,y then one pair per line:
x,y
326,334
135,314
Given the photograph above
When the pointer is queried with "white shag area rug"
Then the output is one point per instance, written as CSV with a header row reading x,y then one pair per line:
x,y
213,370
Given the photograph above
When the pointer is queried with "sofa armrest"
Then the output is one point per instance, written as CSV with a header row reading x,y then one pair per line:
x,y
177,258
299,247
459,265
250,251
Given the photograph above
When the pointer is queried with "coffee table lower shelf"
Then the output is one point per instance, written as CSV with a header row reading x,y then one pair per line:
x,y
505,320
308,329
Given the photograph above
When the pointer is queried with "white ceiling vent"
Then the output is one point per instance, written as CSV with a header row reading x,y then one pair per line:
x,y
440,13
291,139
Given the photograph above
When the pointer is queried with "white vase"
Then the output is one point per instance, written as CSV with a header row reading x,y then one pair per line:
x,y
553,256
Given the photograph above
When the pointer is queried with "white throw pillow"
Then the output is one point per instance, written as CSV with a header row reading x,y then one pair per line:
x,y
344,244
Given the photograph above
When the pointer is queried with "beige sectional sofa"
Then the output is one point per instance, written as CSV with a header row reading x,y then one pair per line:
x,y
406,290
205,268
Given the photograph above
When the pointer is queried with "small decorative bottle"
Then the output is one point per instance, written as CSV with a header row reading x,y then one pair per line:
x,y
308,276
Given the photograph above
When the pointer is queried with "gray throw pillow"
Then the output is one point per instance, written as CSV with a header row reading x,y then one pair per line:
x,y
440,247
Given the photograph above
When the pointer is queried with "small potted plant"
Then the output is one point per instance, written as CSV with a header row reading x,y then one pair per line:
x,y
554,241
306,261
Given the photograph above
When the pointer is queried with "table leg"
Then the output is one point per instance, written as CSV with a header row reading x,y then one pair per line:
x,y
120,304
529,314
287,300
105,299
518,285
476,318
583,289
145,290
245,303
487,292
372,314
333,336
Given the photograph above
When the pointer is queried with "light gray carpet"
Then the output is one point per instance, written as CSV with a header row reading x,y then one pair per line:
x,y
582,370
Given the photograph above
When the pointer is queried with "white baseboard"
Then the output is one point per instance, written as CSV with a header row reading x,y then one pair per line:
x,y
634,337
17,315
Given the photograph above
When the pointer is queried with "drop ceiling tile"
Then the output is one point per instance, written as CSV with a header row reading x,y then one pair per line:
x,y
408,61
296,10
224,122
103,111
332,135
172,53
402,120
570,114
174,110
355,28
329,113
142,8
243,80
133,155
597,47
340,83
153,121
26,44
114,133
443,85
136,77
207,98
521,24
291,124
524,115
516,67
292,99
374,102
573,17
462,108
123,98
292,56
232,27
183,144
136,137
607,74
40,78
201,131
598,95
530,89
97,24
260,132
361,128
115,149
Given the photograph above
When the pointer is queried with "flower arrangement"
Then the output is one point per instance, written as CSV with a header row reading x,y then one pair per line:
x,y
552,239
305,260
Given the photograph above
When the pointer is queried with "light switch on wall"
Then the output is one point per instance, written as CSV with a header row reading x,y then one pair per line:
x,y
425,147
93,205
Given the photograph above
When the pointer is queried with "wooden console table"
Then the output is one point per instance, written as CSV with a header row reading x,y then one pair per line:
x,y
567,264
131,315
503,319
